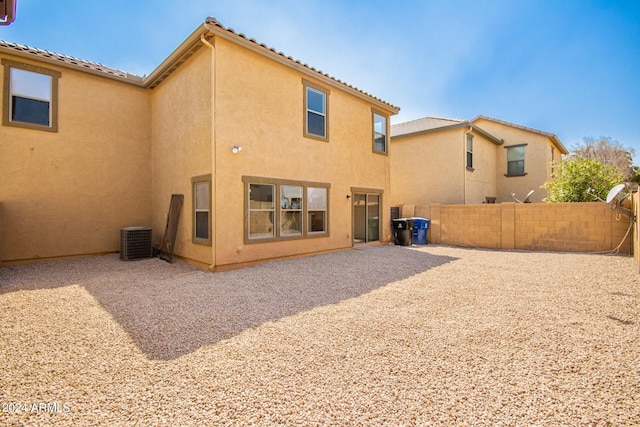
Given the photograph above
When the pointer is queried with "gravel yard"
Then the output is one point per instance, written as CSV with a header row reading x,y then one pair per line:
x,y
391,335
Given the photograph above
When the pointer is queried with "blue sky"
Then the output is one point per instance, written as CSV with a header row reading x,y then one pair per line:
x,y
563,66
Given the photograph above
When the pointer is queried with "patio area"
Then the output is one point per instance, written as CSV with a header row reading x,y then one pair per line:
x,y
389,335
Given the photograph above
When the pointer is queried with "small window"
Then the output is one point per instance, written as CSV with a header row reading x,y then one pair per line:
x,y
553,160
515,160
469,151
202,209
317,206
30,96
379,133
261,210
316,111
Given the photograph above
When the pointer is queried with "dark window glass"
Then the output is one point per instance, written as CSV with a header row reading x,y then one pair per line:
x,y
515,167
202,225
30,111
315,124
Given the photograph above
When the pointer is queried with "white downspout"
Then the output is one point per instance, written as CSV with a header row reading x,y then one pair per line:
x,y
214,204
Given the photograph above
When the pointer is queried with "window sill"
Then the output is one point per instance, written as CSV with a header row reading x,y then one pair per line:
x,y
316,137
517,174
284,238
470,169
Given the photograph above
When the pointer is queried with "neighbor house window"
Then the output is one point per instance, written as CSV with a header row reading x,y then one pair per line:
x,y
30,96
379,133
553,160
469,151
202,209
515,160
316,111
302,210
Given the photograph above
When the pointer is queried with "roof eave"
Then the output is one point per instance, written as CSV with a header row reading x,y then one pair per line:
x,y
212,27
461,125
431,130
66,62
187,48
549,135
486,134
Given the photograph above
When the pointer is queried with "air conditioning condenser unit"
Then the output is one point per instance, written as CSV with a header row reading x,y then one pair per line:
x,y
135,243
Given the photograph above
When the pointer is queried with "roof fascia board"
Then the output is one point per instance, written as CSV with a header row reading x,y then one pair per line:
x,y
432,130
486,134
177,57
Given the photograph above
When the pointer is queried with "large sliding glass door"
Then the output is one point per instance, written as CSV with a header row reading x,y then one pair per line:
x,y
366,217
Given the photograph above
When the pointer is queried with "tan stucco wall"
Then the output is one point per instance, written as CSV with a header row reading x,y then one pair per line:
x,y
431,168
537,161
69,192
562,227
428,168
259,106
481,182
181,139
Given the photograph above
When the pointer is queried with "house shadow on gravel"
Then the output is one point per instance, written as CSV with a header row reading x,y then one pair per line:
x,y
170,310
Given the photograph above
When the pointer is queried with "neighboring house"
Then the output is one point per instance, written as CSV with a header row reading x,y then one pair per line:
x,y
274,158
484,160
526,159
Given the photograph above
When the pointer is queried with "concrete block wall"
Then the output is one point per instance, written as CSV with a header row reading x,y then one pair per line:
x,y
557,227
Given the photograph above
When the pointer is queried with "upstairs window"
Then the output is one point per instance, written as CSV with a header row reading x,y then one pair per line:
x,y
515,160
316,111
30,96
379,133
469,151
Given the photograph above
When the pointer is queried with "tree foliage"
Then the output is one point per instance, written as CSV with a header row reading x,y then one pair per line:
x,y
570,182
609,152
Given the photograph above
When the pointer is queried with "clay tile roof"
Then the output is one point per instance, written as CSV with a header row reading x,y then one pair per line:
x,y
63,59
214,24
424,124
549,135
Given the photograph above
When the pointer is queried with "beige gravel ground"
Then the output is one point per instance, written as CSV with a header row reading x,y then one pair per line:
x,y
387,335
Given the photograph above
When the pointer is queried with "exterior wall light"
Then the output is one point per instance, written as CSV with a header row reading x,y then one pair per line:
x,y
236,149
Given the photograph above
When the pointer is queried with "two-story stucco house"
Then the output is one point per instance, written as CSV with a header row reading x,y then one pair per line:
x,y
274,158
441,160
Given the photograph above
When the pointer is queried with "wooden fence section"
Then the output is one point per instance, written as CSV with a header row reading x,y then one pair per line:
x,y
557,227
